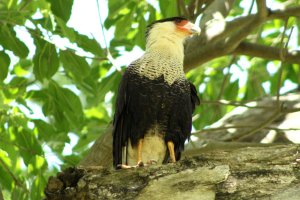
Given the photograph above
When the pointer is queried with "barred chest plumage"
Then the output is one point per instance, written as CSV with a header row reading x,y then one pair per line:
x,y
156,64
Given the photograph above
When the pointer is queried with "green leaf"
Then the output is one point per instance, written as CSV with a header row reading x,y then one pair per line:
x,y
115,6
232,90
25,63
140,36
45,60
83,41
19,193
75,65
293,72
38,186
124,25
22,102
4,64
61,8
66,105
109,83
168,8
47,133
17,87
6,180
9,41
28,144
72,160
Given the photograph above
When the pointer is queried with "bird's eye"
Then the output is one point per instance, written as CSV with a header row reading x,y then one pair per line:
x,y
180,22
177,21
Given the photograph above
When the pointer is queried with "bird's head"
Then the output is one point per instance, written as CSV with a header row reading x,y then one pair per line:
x,y
174,29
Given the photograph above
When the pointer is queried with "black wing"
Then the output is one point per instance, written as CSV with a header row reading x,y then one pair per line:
x,y
120,130
194,97
134,111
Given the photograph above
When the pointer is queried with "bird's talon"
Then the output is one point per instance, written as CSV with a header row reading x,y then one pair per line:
x,y
140,164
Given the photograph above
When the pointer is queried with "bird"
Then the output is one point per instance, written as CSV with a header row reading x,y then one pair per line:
x,y
155,101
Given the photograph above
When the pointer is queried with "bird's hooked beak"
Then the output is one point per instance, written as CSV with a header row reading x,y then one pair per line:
x,y
190,28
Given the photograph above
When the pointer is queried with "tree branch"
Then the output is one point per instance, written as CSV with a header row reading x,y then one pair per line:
x,y
261,8
266,52
214,17
285,13
223,172
236,38
182,7
203,48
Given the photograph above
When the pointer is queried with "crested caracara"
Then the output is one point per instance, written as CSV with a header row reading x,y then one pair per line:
x,y
155,101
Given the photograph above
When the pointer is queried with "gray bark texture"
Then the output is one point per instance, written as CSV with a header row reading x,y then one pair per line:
x,y
239,171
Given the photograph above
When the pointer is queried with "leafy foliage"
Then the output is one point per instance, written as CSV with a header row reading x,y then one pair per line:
x,y
50,93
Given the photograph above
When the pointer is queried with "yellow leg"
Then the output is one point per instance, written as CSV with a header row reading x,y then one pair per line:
x,y
139,152
170,145
139,157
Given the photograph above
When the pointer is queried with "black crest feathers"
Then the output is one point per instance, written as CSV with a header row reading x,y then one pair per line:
x,y
170,19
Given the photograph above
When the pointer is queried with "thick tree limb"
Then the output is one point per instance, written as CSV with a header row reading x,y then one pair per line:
x,y
285,13
213,18
266,52
242,172
261,8
101,151
235,39
204,48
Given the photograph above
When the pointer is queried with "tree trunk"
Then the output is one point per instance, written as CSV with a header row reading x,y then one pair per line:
x,y
226,171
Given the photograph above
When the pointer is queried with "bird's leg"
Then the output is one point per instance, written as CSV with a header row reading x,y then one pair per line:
x,y
139,157
139,153
170,145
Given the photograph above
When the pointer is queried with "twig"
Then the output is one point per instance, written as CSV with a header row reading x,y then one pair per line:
x,y
261,126
183,8
291,110
102,27
204,131
108,54
233,59
95,58
282,57
16,180
251,7
266,52
235,103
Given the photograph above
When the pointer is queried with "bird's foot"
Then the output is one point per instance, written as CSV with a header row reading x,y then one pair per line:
x,y
122,166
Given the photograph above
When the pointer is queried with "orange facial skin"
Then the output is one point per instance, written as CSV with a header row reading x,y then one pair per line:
x,y
187,27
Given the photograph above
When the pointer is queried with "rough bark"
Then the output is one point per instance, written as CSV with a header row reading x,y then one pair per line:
x,y
100,153
228,172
